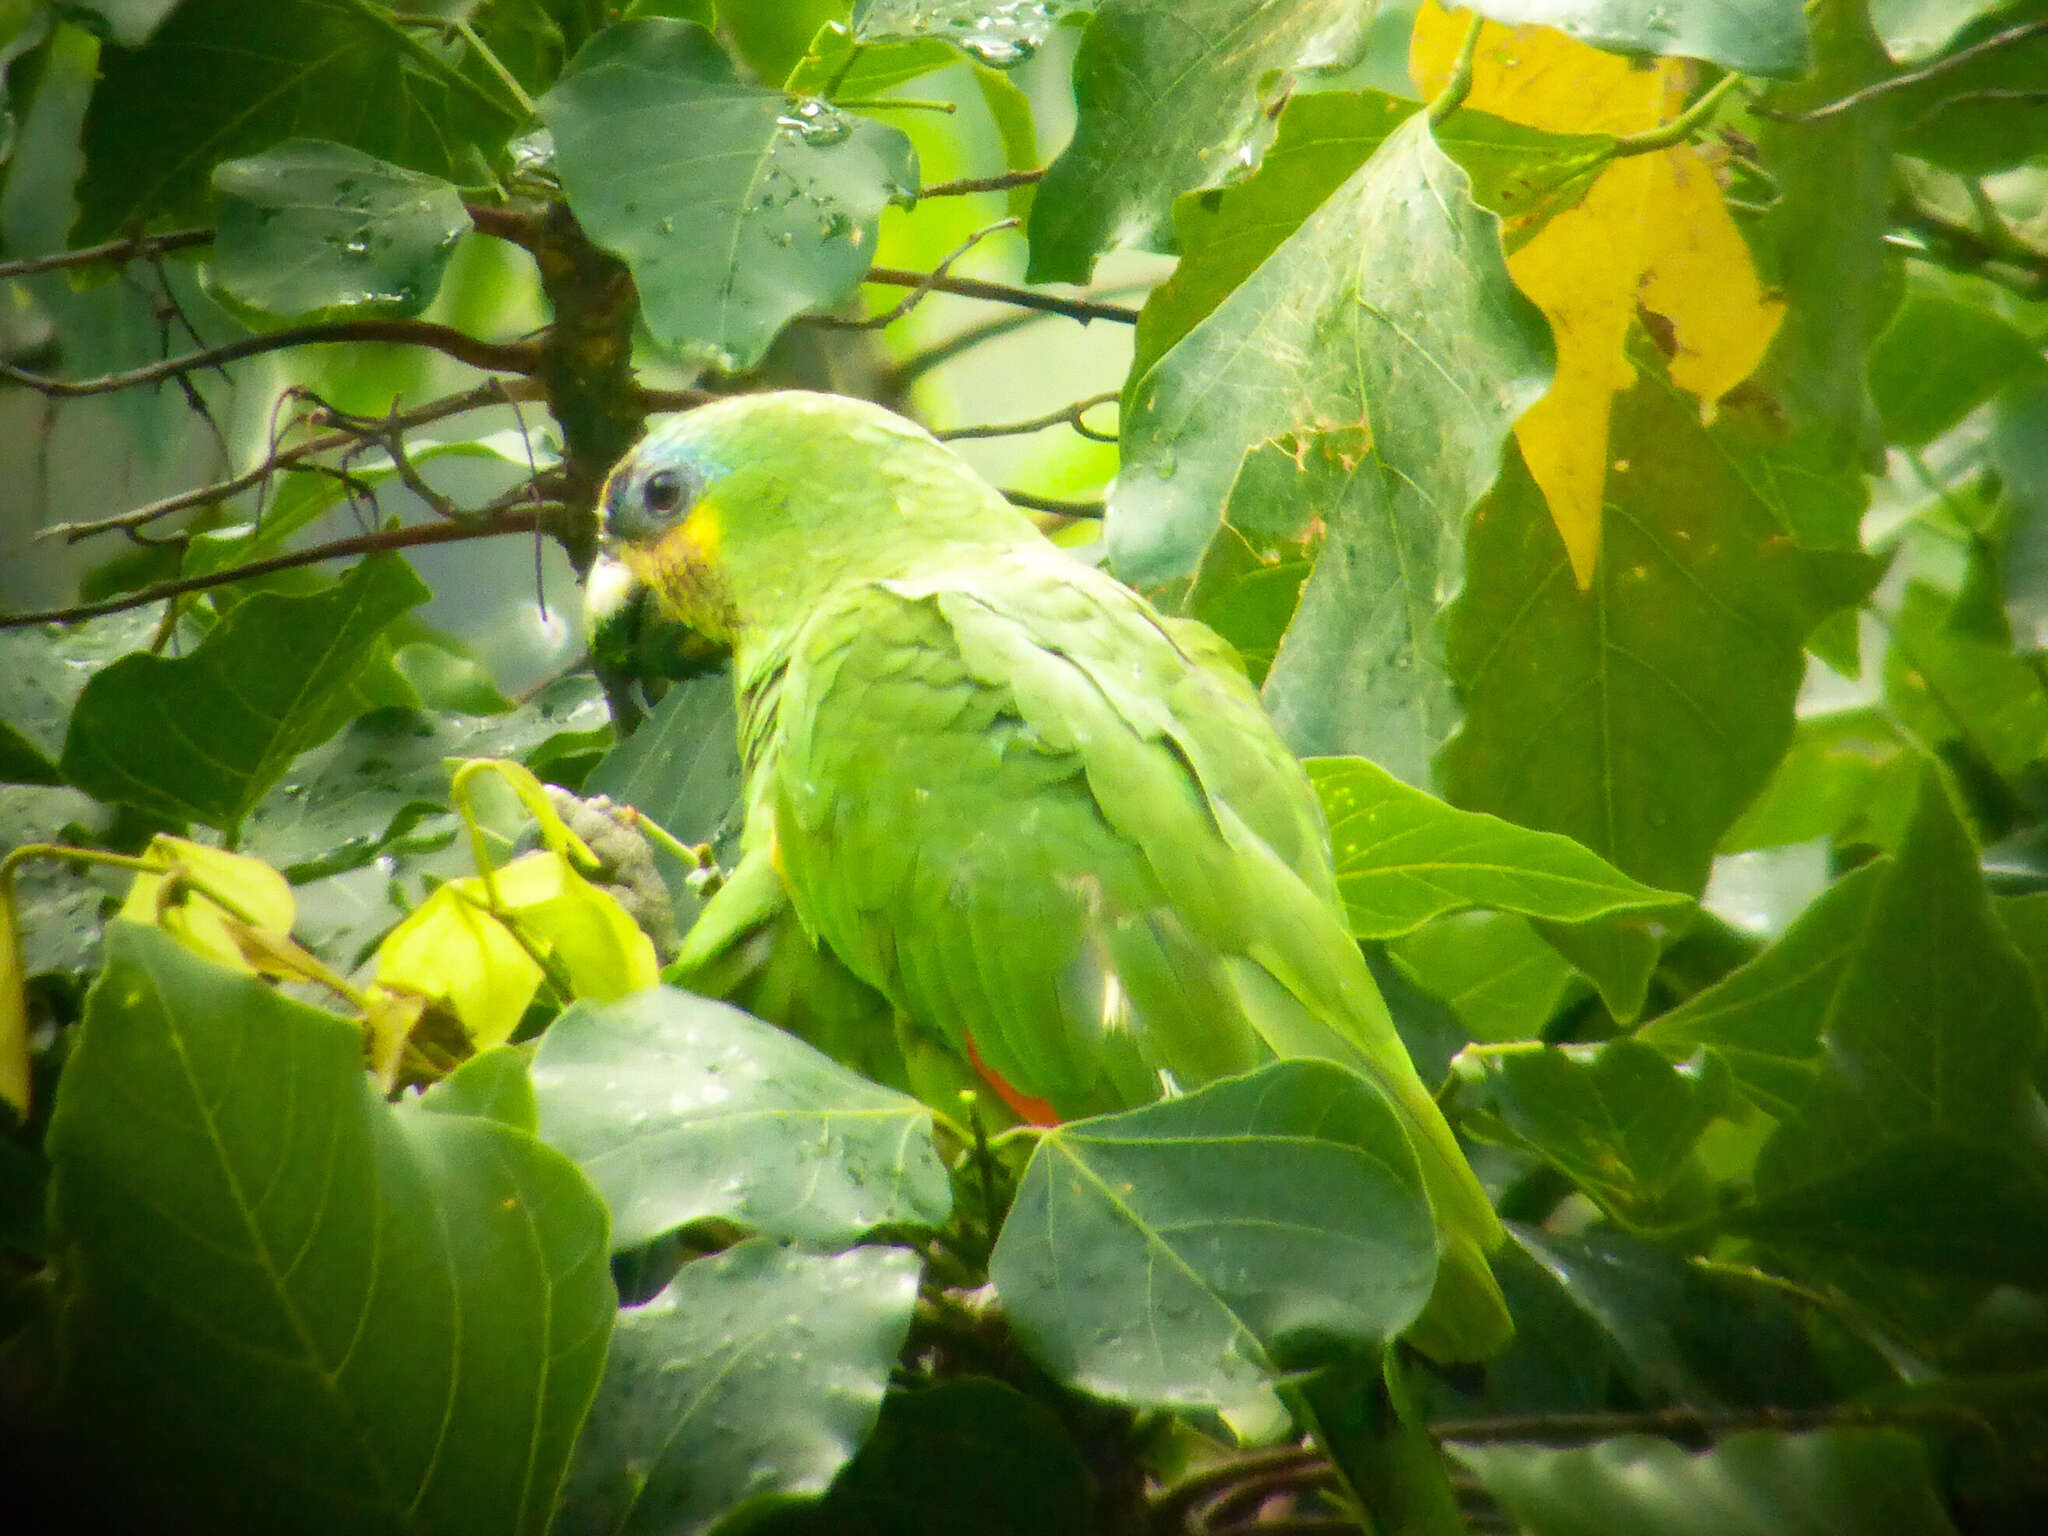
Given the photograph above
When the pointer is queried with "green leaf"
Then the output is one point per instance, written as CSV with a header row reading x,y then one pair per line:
x,y
1984,114
42,673
771,35
680,1108
1947,681
1820,241
1404,857
127,22
1755,1483
1671,1329
1168,97
1500,979
1940,359
166,113
1383,346
492,1085
1752,37
737,208
385,777
202,737
747,1383
1638,717
1928,1046
1766,1018
838,64
999,33
311,230
1321,139
284,1295
1187,1252
1848,775
1617,1119
681,769
1916,30
959,1455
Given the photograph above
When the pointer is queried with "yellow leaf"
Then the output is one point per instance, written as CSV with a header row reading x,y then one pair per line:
x,y
453,951
585,928
1652,232
182,903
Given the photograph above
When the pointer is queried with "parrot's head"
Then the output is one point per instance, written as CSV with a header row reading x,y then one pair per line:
x,y
739,515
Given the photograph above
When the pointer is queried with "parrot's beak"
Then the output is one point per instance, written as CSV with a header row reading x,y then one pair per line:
x,y
608,592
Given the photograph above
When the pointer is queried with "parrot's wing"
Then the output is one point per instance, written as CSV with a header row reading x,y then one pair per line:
x,y
1008,798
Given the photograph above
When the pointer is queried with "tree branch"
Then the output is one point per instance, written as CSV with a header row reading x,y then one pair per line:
x,y
917,295
1069,415
1912,77
146,247
1083,310
968,184
1036,503
513,520
521,357
281,459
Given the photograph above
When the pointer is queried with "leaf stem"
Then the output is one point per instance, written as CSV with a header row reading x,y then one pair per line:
x,y
905,103
1681,127
1083,310
1459,86
967,184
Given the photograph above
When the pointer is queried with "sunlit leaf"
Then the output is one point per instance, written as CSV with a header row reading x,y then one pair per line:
x,y
184,902
1404,857
1186,1252
284,1294
1384,348
736,207
680,1108
1321,139
746,1384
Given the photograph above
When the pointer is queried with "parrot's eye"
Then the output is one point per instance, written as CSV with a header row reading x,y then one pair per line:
x,y
663,493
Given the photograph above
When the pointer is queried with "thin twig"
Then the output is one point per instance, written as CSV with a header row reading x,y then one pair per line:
x,y
146,247
1459,86
1676,1423
521,357
282,459
1078,509
1083,310
967,184
1681,127
518,520
1068,415
921,292
654,401
1912,77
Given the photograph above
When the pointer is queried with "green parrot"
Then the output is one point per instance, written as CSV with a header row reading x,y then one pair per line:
x,y
1051,826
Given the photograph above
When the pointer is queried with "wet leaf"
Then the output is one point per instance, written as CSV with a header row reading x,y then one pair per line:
x,y
736,207
746,1384
313,230
680,1108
